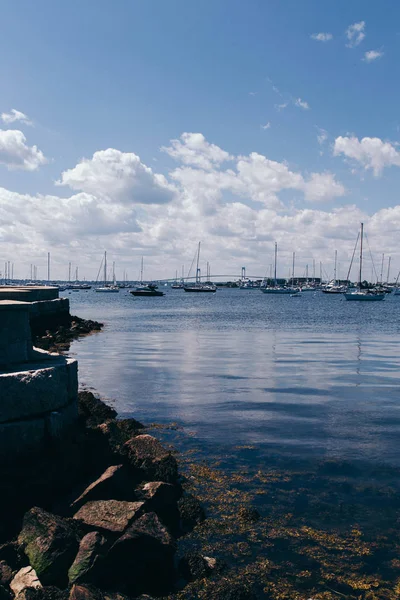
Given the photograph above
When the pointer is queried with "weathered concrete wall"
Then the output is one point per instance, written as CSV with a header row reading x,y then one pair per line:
x,y
15,333
38,390
29,294
48,308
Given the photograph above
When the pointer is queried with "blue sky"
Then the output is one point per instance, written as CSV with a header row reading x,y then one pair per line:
x,y
134,74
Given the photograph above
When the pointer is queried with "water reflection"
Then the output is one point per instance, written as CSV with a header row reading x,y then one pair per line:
x,y
304,392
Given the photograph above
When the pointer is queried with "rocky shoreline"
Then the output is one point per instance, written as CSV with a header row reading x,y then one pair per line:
x,y
100,517
57,336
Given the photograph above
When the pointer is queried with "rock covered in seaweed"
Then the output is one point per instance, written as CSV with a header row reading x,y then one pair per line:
x,y
50,543
142,559
114,484
91,549
148,456
109,516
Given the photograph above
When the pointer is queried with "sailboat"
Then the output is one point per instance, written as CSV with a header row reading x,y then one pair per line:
x,y
332,287
198,286
277,289
396,290
362,294
107,288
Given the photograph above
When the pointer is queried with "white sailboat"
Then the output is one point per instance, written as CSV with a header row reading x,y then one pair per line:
x,y
199,286
362,294
277,289
107,288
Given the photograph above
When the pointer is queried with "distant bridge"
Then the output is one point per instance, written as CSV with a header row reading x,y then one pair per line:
x,y
203,277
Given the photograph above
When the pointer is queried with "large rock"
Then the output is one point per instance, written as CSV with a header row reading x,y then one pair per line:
x,y
85,592
142,560
161,498
93,410
25,578
118,432
149,458
109,516
114,484
91,549
6,573
51,544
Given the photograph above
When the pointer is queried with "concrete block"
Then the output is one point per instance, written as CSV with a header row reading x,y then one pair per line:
x,y
59,422
21,437
46,387
15,333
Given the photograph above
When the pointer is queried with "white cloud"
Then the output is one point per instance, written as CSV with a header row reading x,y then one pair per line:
x,y
301,103
266,126
120,176
236,210
355,34
281,106
371,153
193,149
321,37
372,55
15,154
15,115
322,187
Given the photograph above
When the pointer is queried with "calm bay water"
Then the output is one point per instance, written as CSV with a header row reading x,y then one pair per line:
x,y
311,377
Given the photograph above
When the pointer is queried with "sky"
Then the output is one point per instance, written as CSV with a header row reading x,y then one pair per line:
x,y
142,127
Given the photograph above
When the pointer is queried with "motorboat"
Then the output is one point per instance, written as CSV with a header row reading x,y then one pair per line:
x,y
147,290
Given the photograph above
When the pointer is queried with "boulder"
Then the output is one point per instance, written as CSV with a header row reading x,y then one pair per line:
x,y
85,592
191,512
141,560
114,484
25,578
91,549
93,410
109,516
6,573
118,432
150,459
50,543
161,498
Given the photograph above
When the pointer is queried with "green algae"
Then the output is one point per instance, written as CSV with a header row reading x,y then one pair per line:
x,y
325,532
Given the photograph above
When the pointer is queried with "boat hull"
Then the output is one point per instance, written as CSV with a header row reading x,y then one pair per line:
x,y
200,290
365,297
146,293
277,291
106,291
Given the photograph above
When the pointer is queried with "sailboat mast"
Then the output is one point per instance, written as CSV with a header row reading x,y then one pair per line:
x,y
334,274
276,254
105,268
361,250
141,271
383,259
388,271
294,254
197,267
